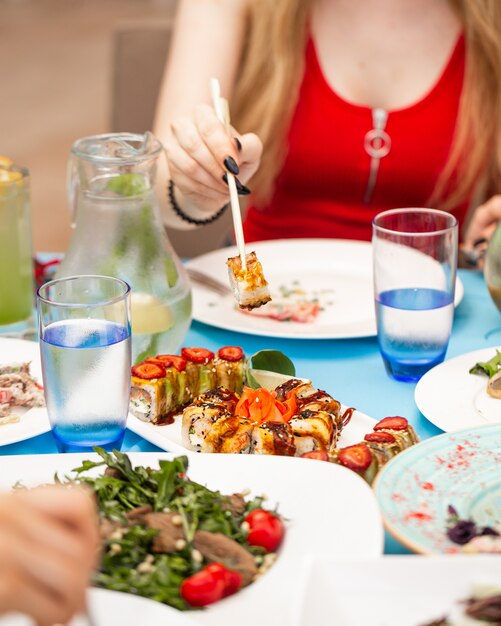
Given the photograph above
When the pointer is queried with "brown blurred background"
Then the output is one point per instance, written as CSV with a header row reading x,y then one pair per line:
x,y
56,59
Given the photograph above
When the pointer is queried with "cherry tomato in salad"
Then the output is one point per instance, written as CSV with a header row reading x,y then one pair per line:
x,y
231,353
197,355
232,579
148,371
265,529
169,360
210,584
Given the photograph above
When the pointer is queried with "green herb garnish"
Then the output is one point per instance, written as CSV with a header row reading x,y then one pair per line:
x,y
488,368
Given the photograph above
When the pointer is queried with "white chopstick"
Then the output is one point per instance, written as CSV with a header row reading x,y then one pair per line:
x,y
222,112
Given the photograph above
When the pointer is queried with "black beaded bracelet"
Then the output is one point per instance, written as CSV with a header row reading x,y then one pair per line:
x,y
191,220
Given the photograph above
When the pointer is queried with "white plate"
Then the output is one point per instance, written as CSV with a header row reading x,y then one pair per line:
x,y
112,608
330,511
453,399
33,422
169,437
338,271
392,591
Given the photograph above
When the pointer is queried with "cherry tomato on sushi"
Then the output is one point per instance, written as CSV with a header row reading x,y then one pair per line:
x,y
265,529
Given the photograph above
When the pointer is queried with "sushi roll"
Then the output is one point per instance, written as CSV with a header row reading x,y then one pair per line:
x,y
229,363
221,397
282,391
200,415
359,458
230,435
147,394
200,370
313,430
400,428
249,285
384,445
197,421
273,438
176,392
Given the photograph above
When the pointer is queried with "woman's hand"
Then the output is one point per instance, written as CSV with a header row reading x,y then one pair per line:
x,y
48,549
199,153
480,230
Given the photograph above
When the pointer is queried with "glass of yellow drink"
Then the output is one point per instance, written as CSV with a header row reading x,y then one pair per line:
x,y
16,269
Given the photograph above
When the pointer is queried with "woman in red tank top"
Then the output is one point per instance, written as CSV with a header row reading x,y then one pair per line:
x,y
360,107
367,160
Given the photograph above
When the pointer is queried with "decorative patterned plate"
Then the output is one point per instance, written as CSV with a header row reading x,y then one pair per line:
x,y
416,487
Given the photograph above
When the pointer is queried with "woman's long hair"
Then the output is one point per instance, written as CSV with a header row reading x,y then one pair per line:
x,y
272,69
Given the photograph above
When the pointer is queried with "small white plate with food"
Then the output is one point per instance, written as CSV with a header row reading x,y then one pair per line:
x,y
22,411
453,399
399,591
325,509
320,289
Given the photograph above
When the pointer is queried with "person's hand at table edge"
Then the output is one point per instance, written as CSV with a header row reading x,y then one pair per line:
x,y
49,548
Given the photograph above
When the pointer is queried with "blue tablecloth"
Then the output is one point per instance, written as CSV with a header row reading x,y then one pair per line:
x,y
351,369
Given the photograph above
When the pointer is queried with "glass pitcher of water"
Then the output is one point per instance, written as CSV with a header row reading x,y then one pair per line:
x,y
118,232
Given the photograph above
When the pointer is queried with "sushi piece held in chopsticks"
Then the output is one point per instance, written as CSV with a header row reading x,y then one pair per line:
x,y
248,283
246,274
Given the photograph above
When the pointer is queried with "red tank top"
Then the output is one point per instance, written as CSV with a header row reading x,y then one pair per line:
x,y
324,187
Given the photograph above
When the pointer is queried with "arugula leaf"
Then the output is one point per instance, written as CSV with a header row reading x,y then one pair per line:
x,y
488,368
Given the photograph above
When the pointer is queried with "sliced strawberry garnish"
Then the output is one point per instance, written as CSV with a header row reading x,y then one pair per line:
x,y
320,455
392,423
169,360
148,371
380,437
231,353
357,457
197,355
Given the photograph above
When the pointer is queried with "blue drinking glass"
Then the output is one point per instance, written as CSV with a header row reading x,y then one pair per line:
x,y
415,260
84,326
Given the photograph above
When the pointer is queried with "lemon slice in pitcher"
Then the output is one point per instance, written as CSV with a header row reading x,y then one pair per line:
x,y
5,161
149,314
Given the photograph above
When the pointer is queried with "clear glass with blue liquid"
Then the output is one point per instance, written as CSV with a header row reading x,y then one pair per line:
x,y
415,257
86,356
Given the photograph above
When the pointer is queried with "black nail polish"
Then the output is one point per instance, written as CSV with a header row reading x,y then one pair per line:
x,y
238,144
241,189
231,165
479,242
